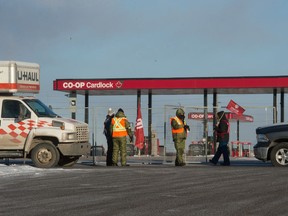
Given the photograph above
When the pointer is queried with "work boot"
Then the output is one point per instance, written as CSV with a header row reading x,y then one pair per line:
x,y
211,161
182,164
177,163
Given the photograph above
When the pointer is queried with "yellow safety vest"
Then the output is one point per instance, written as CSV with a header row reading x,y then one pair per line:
x,y
119,129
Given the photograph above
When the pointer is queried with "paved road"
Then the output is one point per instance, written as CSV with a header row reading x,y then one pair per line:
x,y
248,187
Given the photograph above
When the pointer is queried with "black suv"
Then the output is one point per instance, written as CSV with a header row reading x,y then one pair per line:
x,y
272,144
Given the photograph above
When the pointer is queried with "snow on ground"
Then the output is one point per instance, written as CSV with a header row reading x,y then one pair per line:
x,y
21,167
17,168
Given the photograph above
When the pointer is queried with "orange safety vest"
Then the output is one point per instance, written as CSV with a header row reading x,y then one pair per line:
x,y
177,131
119,129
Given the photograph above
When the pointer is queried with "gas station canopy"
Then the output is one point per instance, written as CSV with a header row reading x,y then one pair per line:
x,y
177,86
172,86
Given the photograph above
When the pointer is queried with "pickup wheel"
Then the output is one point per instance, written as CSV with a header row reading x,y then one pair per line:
x,y
45,155
68,161
279,155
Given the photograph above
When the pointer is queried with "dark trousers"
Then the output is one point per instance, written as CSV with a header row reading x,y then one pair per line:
x,y
109,151
222,149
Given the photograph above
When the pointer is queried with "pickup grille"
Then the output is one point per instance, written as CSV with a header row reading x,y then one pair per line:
x,y
82,133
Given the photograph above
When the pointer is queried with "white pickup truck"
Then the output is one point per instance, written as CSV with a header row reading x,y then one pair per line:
x,y
29,129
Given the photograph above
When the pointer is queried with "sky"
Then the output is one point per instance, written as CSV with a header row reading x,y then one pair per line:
x,y
145,38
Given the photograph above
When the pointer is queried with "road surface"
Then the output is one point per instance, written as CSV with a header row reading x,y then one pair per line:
x,y
247,187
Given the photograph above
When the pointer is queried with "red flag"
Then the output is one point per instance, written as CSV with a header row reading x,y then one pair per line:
x,y
139,131
235,108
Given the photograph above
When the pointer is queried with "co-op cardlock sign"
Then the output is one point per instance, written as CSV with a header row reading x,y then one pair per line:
x,y
91,85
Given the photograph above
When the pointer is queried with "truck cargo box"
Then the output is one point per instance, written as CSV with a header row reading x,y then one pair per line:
x,y
22,77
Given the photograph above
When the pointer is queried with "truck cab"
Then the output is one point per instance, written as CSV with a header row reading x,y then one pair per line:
x,y
272,144
29,129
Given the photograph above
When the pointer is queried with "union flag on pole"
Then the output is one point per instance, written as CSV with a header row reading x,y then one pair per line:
x,y
235,108
139,131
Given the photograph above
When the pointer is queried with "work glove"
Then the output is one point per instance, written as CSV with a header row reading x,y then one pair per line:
x,y
131,139
186,127
183,118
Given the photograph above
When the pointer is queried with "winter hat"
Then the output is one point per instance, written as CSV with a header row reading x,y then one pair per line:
x,y
120,110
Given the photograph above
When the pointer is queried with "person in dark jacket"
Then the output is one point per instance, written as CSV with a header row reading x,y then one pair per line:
x,y
179,134
108,136
222,130
120,128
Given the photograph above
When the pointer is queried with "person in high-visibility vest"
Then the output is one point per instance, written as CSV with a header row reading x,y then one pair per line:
x,y
222,129
179,134
120,128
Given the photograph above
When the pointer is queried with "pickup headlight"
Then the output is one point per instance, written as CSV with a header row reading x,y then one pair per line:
x,y
69,136
262,138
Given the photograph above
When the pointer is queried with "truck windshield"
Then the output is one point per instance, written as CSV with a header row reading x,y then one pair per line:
x,y
40,109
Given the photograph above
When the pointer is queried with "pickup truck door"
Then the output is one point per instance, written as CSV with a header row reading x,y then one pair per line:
x,y
14,124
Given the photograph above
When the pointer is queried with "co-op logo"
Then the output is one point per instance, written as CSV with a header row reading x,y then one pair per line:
x,y
73,85
90,85
199,116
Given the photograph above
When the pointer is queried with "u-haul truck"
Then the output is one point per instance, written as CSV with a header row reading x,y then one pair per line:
x,y
28,128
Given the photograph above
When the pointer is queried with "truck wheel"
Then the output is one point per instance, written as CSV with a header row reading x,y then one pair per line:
x,y
45,155
279,155
68,161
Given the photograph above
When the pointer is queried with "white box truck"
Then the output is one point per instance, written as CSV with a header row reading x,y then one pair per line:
x,y
28,128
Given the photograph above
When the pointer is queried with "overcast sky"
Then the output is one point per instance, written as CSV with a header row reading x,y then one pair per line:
x,y
146,38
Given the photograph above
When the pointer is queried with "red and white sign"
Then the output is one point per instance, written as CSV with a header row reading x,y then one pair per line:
x,y
89,85
139,131
230,116
235,108
198,115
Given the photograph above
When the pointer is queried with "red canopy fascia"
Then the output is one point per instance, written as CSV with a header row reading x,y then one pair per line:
x,y
172,86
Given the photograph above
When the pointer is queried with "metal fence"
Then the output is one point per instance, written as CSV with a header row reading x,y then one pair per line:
x,y
161,128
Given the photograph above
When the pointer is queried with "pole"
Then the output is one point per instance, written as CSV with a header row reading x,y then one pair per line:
x,y
86,107
165,135
282,105
73,104
238,130
215,102
93,137
274,105
205,135
149,122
